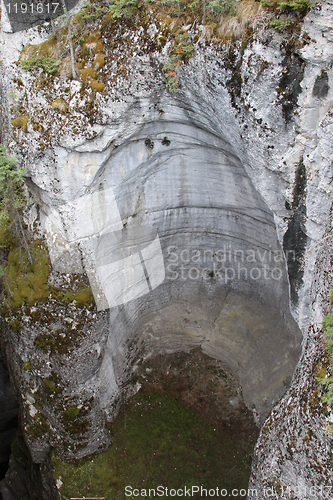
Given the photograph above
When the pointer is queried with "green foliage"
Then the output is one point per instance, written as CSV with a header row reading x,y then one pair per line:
x,y
322,377
13,195
11,179
123,8
221,7
90,11
301,6
282,23
47,62
171,73
181,52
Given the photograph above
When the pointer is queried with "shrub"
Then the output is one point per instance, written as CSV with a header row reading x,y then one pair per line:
x,y
289,5
222,7
282,23
123,8
182,50
47,62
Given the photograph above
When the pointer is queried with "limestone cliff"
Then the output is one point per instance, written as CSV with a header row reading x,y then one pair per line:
x,y
198,217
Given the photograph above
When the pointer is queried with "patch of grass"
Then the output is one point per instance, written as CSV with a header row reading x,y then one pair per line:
x,y
158,440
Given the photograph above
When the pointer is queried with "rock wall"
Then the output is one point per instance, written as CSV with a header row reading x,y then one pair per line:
x,y
179,206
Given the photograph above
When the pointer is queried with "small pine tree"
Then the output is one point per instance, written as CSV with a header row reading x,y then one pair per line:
x,y
13,197
70,41
123,8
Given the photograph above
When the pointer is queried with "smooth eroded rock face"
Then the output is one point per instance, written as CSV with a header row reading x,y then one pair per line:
x,y
180,246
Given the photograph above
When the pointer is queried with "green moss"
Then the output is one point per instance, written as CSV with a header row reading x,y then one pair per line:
x,y
95,85
53,384
99,61
157,439
60,342
26,365
21,122
15,324
38,426
84,297
87,73
74,419
27,282
68,297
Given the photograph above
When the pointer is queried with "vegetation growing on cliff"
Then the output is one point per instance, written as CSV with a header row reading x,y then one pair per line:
x,y
323,376
26,271
73,54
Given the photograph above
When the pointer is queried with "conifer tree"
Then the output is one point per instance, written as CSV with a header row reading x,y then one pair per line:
x,y
13,197
70,41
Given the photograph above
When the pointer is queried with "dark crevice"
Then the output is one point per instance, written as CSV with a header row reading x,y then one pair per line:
x,y
321,87
295,238
290,83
